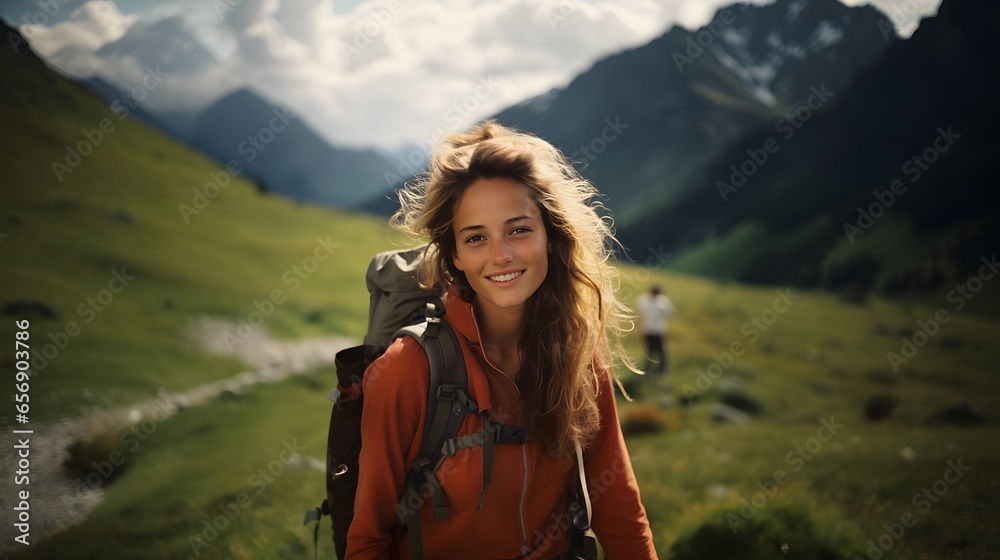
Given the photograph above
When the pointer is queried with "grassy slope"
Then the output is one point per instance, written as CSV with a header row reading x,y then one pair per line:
x,y
204,458
62,246
817,361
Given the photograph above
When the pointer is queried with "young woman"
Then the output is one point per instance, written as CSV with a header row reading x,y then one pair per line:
x,y
519,247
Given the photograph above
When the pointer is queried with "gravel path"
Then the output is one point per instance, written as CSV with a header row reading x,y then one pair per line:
x,y
59,500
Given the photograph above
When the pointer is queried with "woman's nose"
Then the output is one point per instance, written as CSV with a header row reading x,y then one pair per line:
x,y
501,252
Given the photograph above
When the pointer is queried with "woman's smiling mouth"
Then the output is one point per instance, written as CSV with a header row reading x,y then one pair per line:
x,y
504,278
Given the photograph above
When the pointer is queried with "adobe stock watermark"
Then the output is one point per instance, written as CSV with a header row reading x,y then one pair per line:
x,y
655,258
461,112
415,498
922,501
786,126
560,12
753,329
598,144
371,26
456,116
696,43
94,137
293,277
223,7
87,310
642,275
913,168
46,12
900,15
561,523
250,149
231,511
963,293
796,459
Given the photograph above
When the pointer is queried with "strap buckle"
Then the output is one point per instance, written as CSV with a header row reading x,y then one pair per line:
x,y
432,316
447,391
503,433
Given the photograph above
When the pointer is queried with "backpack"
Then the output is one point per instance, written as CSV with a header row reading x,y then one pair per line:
x,y
400,307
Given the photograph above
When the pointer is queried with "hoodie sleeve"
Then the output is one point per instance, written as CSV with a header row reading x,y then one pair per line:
x,y
394,390
619,518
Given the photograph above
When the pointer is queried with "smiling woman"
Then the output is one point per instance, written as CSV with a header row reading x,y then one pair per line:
x,y
520,250
505,259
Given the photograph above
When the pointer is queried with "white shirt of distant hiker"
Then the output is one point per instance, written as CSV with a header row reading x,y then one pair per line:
x,y
654,312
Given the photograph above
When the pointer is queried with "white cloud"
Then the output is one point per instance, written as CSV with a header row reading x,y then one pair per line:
x,y
384,73
904,14
389,72
88,28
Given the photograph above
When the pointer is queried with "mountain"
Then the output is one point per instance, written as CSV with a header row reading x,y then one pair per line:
x,y
177,125
293,161
640,120
275,146
167,42
891,187
386,202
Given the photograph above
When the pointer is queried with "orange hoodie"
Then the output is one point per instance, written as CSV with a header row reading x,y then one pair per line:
x,y
524,507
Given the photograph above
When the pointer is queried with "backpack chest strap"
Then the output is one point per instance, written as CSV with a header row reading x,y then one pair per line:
x,y
502,434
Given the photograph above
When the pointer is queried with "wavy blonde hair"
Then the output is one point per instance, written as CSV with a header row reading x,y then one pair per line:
x,y
565,331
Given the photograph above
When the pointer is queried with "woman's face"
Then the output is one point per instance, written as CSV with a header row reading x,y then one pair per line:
x,y
500,241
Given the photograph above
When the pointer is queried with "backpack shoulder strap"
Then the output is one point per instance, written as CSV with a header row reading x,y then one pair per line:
x,y
448,402
447,389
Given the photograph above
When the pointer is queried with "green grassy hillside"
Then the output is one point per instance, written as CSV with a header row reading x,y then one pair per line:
x,y
118,209
821,361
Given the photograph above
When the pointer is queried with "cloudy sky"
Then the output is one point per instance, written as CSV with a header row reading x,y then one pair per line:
x,y
362,72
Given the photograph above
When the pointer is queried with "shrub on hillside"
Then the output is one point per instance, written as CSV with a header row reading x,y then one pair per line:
x,y
640,419
778,530
99,457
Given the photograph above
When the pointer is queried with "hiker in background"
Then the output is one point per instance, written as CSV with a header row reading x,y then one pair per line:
x,y
523,260
654,309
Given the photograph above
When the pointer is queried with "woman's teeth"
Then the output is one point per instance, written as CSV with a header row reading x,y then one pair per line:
x,y
505,277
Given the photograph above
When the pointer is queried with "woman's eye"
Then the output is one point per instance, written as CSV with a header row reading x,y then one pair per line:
x,y
521,229
474,238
